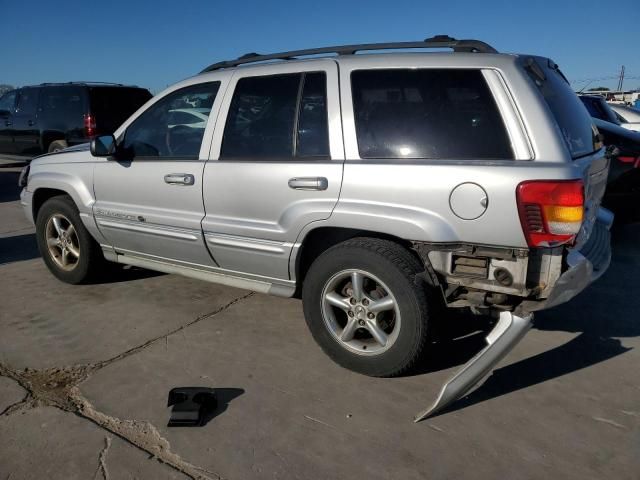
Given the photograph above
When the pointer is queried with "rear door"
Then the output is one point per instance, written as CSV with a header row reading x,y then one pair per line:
x,y
149,200
25,129
276,164
61,114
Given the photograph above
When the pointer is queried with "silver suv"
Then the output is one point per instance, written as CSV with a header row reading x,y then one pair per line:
x,y
378,187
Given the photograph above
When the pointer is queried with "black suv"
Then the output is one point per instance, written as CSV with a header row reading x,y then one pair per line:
x,y
53,116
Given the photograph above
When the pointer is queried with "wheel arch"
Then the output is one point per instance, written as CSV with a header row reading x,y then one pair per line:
x,y
46,185
41,195
48,137
317,240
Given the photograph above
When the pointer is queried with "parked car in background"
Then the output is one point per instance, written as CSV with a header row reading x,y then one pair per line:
x,y
629,117
188,117
600,109
52,116
623,186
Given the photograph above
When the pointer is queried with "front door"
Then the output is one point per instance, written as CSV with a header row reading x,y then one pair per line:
x,y
276,165
149,199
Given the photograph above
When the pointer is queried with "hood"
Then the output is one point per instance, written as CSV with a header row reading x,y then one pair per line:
x,y
69,154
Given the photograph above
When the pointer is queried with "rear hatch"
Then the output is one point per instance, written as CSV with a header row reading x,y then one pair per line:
x,y
110,106
579,133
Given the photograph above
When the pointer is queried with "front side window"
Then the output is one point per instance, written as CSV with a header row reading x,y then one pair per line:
x,y
277,117
155,133
427,114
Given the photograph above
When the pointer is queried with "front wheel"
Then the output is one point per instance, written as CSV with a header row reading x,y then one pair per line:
x,y
66,246
366,306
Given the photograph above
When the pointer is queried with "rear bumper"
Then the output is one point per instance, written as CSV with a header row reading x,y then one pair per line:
x,y
584,267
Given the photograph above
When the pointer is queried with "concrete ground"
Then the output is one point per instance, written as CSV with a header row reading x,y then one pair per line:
x,y
85,372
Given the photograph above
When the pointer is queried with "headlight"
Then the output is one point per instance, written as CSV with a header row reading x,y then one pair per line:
x,y
24,177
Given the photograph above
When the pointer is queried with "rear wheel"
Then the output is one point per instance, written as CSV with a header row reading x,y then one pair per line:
x,y
57,145
366,307
66,246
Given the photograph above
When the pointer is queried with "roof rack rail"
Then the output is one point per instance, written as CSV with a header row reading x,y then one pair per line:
x,y
82,82
439,41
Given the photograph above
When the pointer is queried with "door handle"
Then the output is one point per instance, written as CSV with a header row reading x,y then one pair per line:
x,y
308,183
8,123
179,179
31,123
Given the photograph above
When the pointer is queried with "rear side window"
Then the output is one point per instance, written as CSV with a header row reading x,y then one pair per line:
x,y
427,113
62,103
313,130
155,133
570,114
277,117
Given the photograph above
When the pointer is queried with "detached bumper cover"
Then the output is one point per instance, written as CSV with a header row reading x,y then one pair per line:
x,y
505,335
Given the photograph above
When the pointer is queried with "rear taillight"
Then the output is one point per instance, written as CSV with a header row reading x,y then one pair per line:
x,y
626,159
551,212
89,125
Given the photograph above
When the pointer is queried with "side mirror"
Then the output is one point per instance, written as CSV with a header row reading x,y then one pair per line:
x,y
103,146
4,113
612,152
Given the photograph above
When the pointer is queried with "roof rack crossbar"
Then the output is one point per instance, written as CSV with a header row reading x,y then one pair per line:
x,y
439,41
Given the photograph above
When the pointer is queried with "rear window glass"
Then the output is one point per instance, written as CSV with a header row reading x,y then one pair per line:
x,y
427,113
571,115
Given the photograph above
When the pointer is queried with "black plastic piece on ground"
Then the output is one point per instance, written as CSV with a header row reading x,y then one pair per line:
x,y
191,405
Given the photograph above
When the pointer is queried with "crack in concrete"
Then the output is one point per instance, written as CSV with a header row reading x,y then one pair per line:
x,y
17,406
102,460
58,387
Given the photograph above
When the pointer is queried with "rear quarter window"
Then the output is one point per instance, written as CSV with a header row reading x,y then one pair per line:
x,y
427,114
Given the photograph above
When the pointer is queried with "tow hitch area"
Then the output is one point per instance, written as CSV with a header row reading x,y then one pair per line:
x,y
505,335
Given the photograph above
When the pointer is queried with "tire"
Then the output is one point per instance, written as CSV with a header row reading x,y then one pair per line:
x,y
390,273
57,145
84,258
